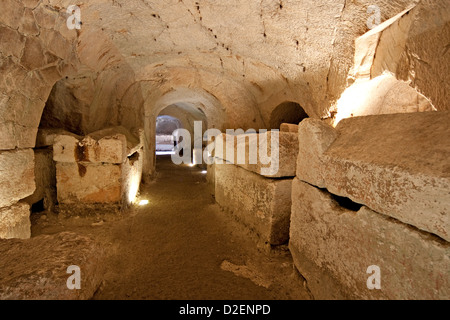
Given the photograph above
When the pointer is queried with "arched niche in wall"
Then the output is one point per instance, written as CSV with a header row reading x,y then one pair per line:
x,y
287,112
65,110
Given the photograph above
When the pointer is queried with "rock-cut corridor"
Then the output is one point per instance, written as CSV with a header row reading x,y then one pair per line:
x,y
180,246
198,149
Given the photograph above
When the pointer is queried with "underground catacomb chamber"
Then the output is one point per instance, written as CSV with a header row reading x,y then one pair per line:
x,y
237,151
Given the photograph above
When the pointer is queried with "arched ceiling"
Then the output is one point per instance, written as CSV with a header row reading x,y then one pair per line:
x,y
250,56
257,52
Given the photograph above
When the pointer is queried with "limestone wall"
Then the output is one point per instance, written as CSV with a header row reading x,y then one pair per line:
x,y
17,171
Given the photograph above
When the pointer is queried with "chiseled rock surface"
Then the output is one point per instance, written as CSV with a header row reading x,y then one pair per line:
x,y
17,172
367,46
15,222
251,55
68,148
406,47
88,183
262,204
36,269
386,163
315,137
110,145
386,82
333,247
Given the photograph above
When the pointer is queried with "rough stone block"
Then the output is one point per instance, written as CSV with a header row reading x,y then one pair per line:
x,y
285,158
88,183
289,127
262,204
12,42
112,149
8,141
111,145
17,176
12,13
333,247
385,164
15,222
65,148
315,137
33,54
46,137
132,143
42,271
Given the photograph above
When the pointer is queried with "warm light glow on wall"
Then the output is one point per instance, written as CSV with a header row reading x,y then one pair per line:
x,y
134,188
352,100
384,94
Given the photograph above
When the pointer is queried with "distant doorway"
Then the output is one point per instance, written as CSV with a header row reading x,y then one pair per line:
x,y
165,142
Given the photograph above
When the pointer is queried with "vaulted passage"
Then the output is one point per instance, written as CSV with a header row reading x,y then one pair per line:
x,y
165,127
200,149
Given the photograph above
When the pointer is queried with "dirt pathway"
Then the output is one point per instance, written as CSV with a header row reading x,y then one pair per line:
x,y
181,246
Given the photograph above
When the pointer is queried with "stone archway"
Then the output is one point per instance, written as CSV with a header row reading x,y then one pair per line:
x,y
287,112
165,126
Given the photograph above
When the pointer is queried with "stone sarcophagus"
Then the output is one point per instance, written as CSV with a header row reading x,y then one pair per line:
x,y
374,192
259,199
103,167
